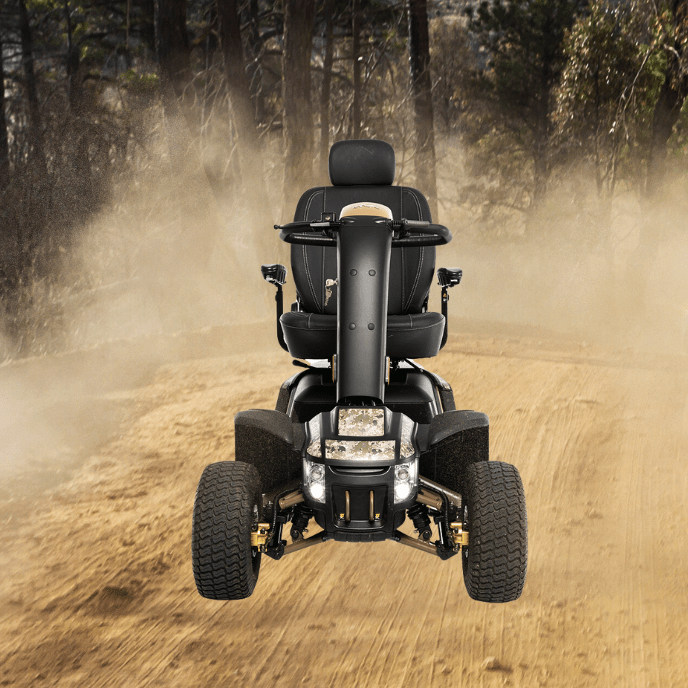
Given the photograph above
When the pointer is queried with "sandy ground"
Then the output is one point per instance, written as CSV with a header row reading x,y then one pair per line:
x,y
97,590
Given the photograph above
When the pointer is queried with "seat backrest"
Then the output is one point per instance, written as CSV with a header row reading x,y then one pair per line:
x,y
362,171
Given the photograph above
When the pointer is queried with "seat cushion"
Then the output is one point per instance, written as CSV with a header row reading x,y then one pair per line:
x,y
314,335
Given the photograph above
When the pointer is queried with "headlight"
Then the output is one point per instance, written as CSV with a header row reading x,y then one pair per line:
x,y
406,450
405,475
316,473
314,479
314,436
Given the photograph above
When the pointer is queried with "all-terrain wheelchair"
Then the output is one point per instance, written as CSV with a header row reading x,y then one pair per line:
x,y
363,437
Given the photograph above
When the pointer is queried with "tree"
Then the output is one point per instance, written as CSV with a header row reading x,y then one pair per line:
x,y
619,101
421,87
325,91
199,219
248,143
599,113
524,45
672,22
172,44
35,143
357,59
298,119
602,87
4,140
671,41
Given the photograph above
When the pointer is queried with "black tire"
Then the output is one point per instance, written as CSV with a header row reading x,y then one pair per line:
x,y
228,502
496,559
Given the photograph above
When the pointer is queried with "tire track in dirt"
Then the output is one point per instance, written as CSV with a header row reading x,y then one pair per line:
x,y
106,595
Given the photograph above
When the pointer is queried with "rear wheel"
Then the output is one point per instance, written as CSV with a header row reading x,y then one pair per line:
x,y
496,558
228,502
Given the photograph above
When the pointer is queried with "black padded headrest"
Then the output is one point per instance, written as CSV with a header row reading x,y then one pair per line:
x,y
362,162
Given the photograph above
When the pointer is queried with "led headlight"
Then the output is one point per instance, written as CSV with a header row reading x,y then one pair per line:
x,y
405,477
314,437
406,449
314,479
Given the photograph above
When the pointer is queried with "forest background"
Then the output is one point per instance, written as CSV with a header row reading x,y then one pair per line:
x,y
148,146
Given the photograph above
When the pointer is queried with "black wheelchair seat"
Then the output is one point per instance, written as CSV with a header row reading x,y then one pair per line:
x,y
362,171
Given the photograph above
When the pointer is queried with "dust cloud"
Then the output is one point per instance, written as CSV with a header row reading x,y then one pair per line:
x,y
139,284
103,444
131,293
571,275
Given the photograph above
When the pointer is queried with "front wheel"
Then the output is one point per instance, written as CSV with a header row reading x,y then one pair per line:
x,y
496,558
228,502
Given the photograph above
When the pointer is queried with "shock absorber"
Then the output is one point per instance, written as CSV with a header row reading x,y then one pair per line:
x,y
299,521
421,520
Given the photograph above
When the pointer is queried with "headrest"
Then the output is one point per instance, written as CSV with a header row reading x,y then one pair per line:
x,y
362,162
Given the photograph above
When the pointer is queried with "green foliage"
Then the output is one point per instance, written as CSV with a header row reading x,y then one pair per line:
x,y
523,42
617,59
520,60
141,84
604,76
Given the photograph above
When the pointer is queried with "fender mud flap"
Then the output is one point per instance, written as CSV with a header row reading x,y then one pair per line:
x,y
456,439
272,443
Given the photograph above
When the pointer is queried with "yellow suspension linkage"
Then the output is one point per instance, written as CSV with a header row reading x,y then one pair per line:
x,y
459,536
260,534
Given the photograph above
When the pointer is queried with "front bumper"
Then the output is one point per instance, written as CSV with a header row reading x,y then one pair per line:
x,y
359,450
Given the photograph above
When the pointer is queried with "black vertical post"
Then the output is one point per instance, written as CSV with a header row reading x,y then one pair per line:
x,y
363,256
279,301
445,313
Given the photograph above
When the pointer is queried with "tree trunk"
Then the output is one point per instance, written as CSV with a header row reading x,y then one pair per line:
x,y
541,169
172,46
325,93
248,143
299,18
541,164
198,210
356,54
4,139
419,58
669,104
172,43
255,72
73,62
35,144
80,163
666,114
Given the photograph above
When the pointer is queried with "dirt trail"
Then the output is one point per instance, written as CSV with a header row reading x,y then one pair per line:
x,y
97,587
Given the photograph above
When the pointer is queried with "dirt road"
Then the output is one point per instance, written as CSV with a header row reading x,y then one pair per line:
x,y
96,586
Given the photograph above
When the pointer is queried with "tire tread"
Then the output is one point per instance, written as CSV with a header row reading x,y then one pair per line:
x,y
497,558
223,565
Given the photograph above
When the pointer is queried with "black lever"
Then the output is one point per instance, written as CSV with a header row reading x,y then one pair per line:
x,y
447,278
277,274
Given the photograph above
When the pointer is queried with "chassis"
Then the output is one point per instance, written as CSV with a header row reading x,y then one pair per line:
x,y
360,442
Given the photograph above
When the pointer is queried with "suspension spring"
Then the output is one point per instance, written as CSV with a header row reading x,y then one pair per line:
x,y
299,521
421,520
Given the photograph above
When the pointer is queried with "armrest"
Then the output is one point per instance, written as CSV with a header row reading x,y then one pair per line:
x,y
449,277
275,274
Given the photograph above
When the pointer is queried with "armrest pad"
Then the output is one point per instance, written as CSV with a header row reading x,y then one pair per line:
x,y
275,274
449,277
